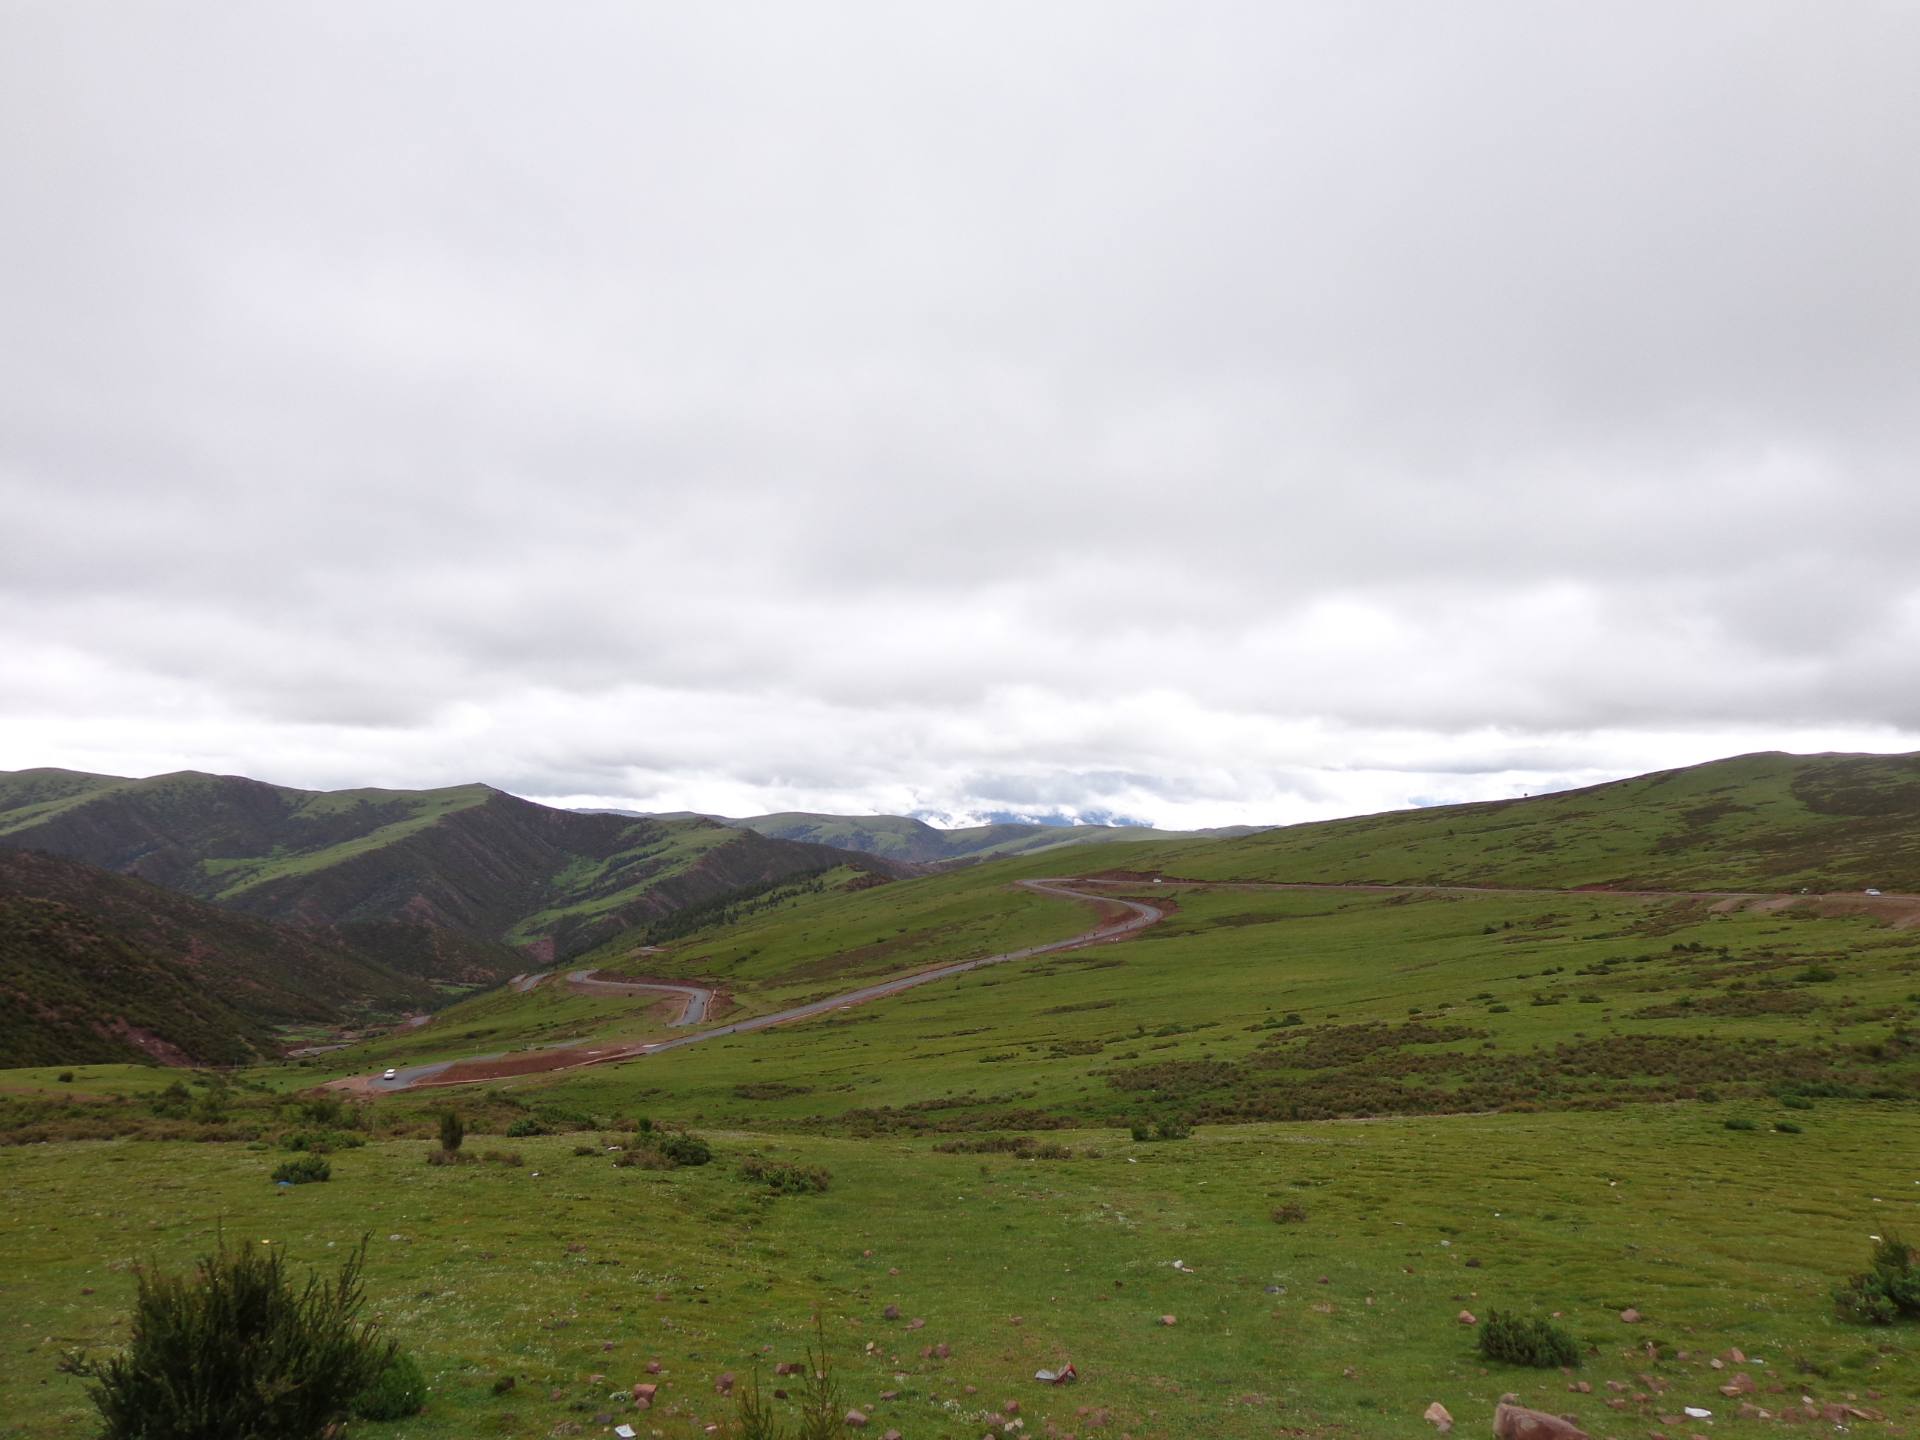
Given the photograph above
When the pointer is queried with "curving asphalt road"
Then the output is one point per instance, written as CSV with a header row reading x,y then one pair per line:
x,y
1133,917
692,1013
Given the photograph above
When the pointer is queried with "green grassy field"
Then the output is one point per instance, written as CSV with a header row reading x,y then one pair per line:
x,y
1342,1322
1403,1105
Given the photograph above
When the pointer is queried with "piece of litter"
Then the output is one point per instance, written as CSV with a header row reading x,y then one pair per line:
x,y
1695,1412
625,1432
1181,1266
1065,1375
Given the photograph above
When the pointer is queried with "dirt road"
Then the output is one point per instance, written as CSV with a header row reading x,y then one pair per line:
x,y
698,997
1120,919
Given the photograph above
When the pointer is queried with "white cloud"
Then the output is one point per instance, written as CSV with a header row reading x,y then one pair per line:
x,y
1110,407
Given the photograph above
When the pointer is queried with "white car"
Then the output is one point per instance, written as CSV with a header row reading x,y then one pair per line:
x,y
391,1075
1871,891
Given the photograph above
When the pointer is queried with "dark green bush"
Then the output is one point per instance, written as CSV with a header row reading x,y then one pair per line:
x,y
233,1350
1514,1340
683,1149
1887,1290
396,1392
784,1177
304,1170
524,1126
1786,1127
453,1130
1739,1122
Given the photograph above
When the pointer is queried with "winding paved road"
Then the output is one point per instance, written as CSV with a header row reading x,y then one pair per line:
x,y
1124,917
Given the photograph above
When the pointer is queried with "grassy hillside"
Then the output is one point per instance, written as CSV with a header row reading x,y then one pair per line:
x,y
97,967
1772,821
469,859
1403,1105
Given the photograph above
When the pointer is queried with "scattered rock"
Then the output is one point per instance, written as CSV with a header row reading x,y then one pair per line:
x,y
724,1385
1168,1320
1630,1316
605,1345
1438,1417
892,1312
789,1367
942,1351
643,1395
653,1367
916,1323
1517,1422
1017,1320
1466,1317
1581,1387
1012,1407
855,1420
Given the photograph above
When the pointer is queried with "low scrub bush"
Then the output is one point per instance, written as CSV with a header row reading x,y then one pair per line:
x,y
1739,1122
448,1157
303,1170
233,1349
396,1392
643,1157
1516,1340
784,1177
526,1125
1291,1213
1887,1290
682,1148
501,1157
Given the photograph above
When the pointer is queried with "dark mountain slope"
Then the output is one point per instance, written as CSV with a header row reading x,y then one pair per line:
x,y
96,966
469,860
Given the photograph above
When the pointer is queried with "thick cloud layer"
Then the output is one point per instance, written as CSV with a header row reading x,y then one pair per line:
x,y
1209,414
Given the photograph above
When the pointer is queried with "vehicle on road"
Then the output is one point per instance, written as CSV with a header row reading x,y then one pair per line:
x,y
391,1075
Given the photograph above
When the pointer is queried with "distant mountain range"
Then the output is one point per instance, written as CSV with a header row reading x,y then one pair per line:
x,y
914,842
369,896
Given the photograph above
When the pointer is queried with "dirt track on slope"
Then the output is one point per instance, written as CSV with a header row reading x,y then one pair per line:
x,y
1119,919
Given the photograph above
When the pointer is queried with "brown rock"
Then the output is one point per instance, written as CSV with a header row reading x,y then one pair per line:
x,y
855,1420
643,1395
1581,1387
1516,1422
1466,1317
1436,1415
1012,1407
789,1367
891,1435
1630,1316
724,1384
942,1351
1168,1320
892,1312
653,1367
1741,1384
916,1323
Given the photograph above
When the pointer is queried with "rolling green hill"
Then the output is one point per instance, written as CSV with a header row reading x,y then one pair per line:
x,y
1769,822
97,967
469,860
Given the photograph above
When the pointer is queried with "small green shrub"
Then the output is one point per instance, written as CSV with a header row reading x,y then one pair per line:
x,y
783,1177
1739,1122
501,1157
1513,1340
643,1157
304,1170
1291,1213
1817,975
1796,1102
453,1130
448,1157
396,1392
683,1149
1786,1127
526,1125
65,1077
234,1350
1887,1290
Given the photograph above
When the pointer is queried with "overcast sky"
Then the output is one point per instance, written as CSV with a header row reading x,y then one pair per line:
x,y
1202,412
